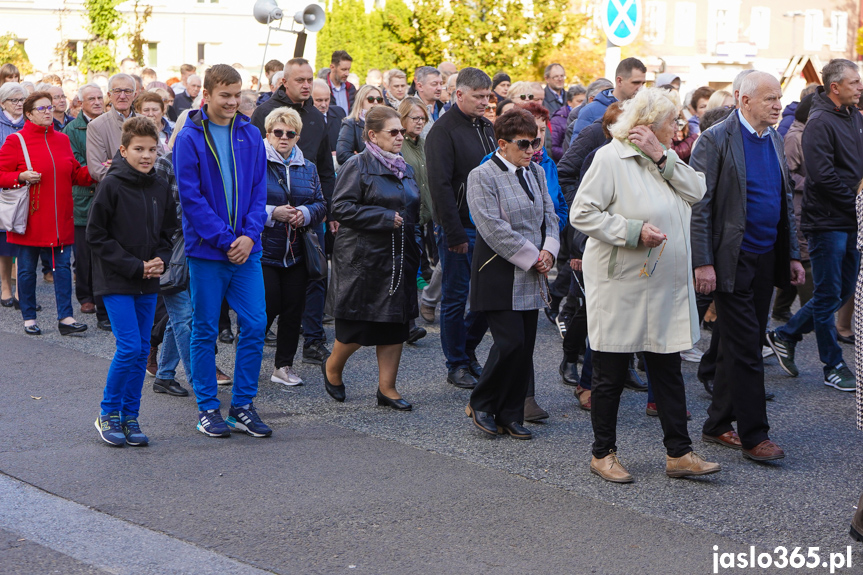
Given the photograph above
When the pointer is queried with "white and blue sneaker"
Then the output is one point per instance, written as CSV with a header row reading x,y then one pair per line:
x,y
133,433
245,418
111,429
210,423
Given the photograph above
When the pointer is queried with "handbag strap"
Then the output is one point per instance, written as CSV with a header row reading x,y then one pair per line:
x,y
26,153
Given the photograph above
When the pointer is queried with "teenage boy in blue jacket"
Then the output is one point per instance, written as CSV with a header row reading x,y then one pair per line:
x,y
220,166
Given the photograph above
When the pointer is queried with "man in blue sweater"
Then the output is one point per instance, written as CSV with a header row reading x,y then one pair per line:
x,y
220,166
833,156
629,78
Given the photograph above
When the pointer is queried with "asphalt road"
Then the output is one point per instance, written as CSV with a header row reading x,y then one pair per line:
x,y
357,488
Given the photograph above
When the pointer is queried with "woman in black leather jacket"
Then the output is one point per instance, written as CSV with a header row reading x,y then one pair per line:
x,y
351,140
375,257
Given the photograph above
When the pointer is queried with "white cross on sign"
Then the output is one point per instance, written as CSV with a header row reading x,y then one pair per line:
x,y
621,20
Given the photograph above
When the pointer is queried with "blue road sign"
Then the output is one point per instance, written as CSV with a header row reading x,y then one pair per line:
x,y
621,20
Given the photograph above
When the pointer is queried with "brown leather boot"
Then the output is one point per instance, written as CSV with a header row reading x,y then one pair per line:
x,y
610,469
533,412
857,522
688,465
153,362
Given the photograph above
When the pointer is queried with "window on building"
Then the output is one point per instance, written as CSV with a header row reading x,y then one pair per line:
x,y
153,54
759,27
813,30
654,22
684,24
201,47
72,53
839,31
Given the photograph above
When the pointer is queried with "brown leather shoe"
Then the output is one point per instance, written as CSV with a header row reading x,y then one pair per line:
x,y
427,313
764,451
223,378
153,362
728,439
583,396
857,522
610,469
48,277
88,308
689,465
533,412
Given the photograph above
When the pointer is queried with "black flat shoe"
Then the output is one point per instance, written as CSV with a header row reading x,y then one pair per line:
x,y
226,336
416,334
474,366
71,328
568,372
104,324
462,378
171,387
397,404
845,339
337,392
516,430
484,421
17,304
7,302
32,330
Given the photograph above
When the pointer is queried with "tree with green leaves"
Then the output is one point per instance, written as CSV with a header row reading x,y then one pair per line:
x,y
103,25
136,34
13,53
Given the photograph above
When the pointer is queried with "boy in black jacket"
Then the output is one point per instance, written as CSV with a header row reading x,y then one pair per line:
x,y
129,231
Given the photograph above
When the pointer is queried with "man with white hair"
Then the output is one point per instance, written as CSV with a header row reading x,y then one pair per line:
x,y
104,133
186,99
743,242
92,106
833,156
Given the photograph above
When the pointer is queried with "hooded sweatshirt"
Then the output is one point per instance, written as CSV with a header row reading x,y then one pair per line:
x,y
593,111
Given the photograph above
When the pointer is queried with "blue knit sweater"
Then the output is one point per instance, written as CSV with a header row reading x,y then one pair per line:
x,y
763,193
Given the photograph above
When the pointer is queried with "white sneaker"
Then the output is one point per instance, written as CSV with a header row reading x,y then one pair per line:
x,y
286,376
767,351
693,355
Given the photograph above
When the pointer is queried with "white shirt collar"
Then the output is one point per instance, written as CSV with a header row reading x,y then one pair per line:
x,y
749,127
509,165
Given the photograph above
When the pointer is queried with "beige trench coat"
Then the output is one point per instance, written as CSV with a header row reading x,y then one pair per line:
x,y
628,311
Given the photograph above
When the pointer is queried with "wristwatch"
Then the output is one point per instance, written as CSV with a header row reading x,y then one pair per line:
x,y
662,159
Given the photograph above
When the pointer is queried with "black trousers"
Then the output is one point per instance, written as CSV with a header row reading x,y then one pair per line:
x,y
224,317
160,323
738,389
285,292
574,342
84,274
610,371
503,385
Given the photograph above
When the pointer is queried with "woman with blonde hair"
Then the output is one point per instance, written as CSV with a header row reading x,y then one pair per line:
x,y
634,203
351,133
521,93
720,99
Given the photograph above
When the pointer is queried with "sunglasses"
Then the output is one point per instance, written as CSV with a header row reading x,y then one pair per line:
x,y
373,99
523,145
394,133
44,108
526,96
290,134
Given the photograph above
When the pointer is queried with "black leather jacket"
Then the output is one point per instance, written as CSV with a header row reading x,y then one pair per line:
x,y
350,140
365,201
719,219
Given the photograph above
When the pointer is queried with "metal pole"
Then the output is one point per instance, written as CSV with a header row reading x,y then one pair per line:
x,y
264,59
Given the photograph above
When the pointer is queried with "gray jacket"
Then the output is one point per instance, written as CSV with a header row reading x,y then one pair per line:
x,y
719,220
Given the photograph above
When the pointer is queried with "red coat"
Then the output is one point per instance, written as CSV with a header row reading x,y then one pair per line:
x,y
50,222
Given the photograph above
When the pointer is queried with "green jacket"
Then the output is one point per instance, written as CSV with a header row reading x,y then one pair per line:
x,y
82,196
414,154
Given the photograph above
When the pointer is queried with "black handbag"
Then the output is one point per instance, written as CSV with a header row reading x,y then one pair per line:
x,y
316,260
176,276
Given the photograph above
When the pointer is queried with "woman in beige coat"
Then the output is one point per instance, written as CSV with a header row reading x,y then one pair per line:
x,y
635,204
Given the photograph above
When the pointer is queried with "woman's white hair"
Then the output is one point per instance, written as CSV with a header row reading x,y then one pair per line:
x,y
10,89
649,107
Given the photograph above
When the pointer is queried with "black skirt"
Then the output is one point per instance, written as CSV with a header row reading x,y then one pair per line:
x,y
369,333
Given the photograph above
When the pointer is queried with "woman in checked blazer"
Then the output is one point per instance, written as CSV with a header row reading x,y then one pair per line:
x,y
516,246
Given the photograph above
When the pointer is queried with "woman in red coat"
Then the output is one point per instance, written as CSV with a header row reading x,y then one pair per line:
x,y
50,227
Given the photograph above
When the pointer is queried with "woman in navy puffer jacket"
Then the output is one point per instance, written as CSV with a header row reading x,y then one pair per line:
x,y
294,201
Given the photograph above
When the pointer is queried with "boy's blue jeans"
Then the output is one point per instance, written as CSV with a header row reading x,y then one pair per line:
x,y
131,321
210,282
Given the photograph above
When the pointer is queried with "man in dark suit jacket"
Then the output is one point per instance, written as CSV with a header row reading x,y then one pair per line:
x,y
333,115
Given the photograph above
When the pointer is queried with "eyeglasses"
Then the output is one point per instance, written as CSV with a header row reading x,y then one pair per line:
x,y
526,96
15,100
373,99
122,91
523,145
681,124
394,133
418,119
290,134
44,108
60,97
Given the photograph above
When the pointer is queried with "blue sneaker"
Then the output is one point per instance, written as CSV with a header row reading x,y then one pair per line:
x,y
133,433
210,423
246,419
111,429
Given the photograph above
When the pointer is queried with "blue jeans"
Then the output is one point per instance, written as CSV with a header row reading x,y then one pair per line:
x,y
834,259
131,321
176,344
316,295
28,260
460,334
210,282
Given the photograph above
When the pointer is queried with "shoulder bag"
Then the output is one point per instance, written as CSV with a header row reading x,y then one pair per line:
x,y
15,202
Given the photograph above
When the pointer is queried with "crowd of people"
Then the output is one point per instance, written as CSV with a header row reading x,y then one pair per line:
x,y
322,200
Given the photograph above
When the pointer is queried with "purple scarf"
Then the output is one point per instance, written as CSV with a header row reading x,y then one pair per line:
x,y
393,162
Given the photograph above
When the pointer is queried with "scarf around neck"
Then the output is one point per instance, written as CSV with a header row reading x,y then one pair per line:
x,y
393,162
